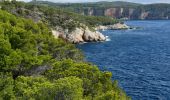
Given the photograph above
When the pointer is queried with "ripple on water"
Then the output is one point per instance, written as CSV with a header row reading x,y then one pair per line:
x,y
138,59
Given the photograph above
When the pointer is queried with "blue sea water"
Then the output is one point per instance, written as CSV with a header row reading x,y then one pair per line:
x,y
139,59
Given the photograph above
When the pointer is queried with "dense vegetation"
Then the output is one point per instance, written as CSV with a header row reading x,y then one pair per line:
x,y
55,16
101,4
118,9
36,66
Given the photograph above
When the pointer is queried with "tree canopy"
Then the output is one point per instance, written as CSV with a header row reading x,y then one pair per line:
x,y
55,16
36,66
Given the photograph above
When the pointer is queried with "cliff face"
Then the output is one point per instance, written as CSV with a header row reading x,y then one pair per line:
x,y
125,10
118,9
69,26
128,13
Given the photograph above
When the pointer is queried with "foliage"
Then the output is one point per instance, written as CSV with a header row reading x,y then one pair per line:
x,y
55,16
68,88
36,66
6,86
121,9
95,82
25,45
101,4
40,88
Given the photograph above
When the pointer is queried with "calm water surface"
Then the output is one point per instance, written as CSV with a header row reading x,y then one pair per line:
x,y
139,59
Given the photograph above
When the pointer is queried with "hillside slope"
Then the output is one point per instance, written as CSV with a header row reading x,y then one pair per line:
x,y
36,66
120,10
72,27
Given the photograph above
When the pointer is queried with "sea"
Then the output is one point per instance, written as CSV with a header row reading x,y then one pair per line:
x,y
138,58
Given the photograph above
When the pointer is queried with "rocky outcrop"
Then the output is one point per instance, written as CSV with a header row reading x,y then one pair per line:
x,y
90,36
75,36
79,35
118,26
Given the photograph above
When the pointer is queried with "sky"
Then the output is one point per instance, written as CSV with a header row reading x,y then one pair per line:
x,y
136,1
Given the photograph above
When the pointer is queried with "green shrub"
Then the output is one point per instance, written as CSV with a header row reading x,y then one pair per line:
x,y
36,66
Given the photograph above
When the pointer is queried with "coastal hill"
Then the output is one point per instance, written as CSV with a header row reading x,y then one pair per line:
x,y
34,65
118,9
70,26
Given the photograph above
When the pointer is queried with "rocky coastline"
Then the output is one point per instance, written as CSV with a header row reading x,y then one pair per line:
x,y
81,35
118,26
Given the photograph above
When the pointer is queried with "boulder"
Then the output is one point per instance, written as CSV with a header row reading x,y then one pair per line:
x,y
101,37
91,36
56,34
118,26
75,36
101,27
79,35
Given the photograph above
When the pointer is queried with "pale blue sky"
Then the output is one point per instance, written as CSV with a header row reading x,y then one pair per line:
x,y
136,1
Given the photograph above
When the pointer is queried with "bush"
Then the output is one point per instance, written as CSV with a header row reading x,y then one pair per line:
x,y
34,65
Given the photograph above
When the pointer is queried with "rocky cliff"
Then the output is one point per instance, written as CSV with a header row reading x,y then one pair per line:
x,y
128,13
121,10
117,9
72,27
79,35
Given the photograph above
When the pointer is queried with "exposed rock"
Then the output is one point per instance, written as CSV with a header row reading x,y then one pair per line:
x,y
80,35
101,27
56,34
144,15
117,26
75,36
151,12
93,36
35,71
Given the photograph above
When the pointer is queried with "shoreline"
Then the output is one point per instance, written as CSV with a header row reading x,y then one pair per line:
x,y
85,35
